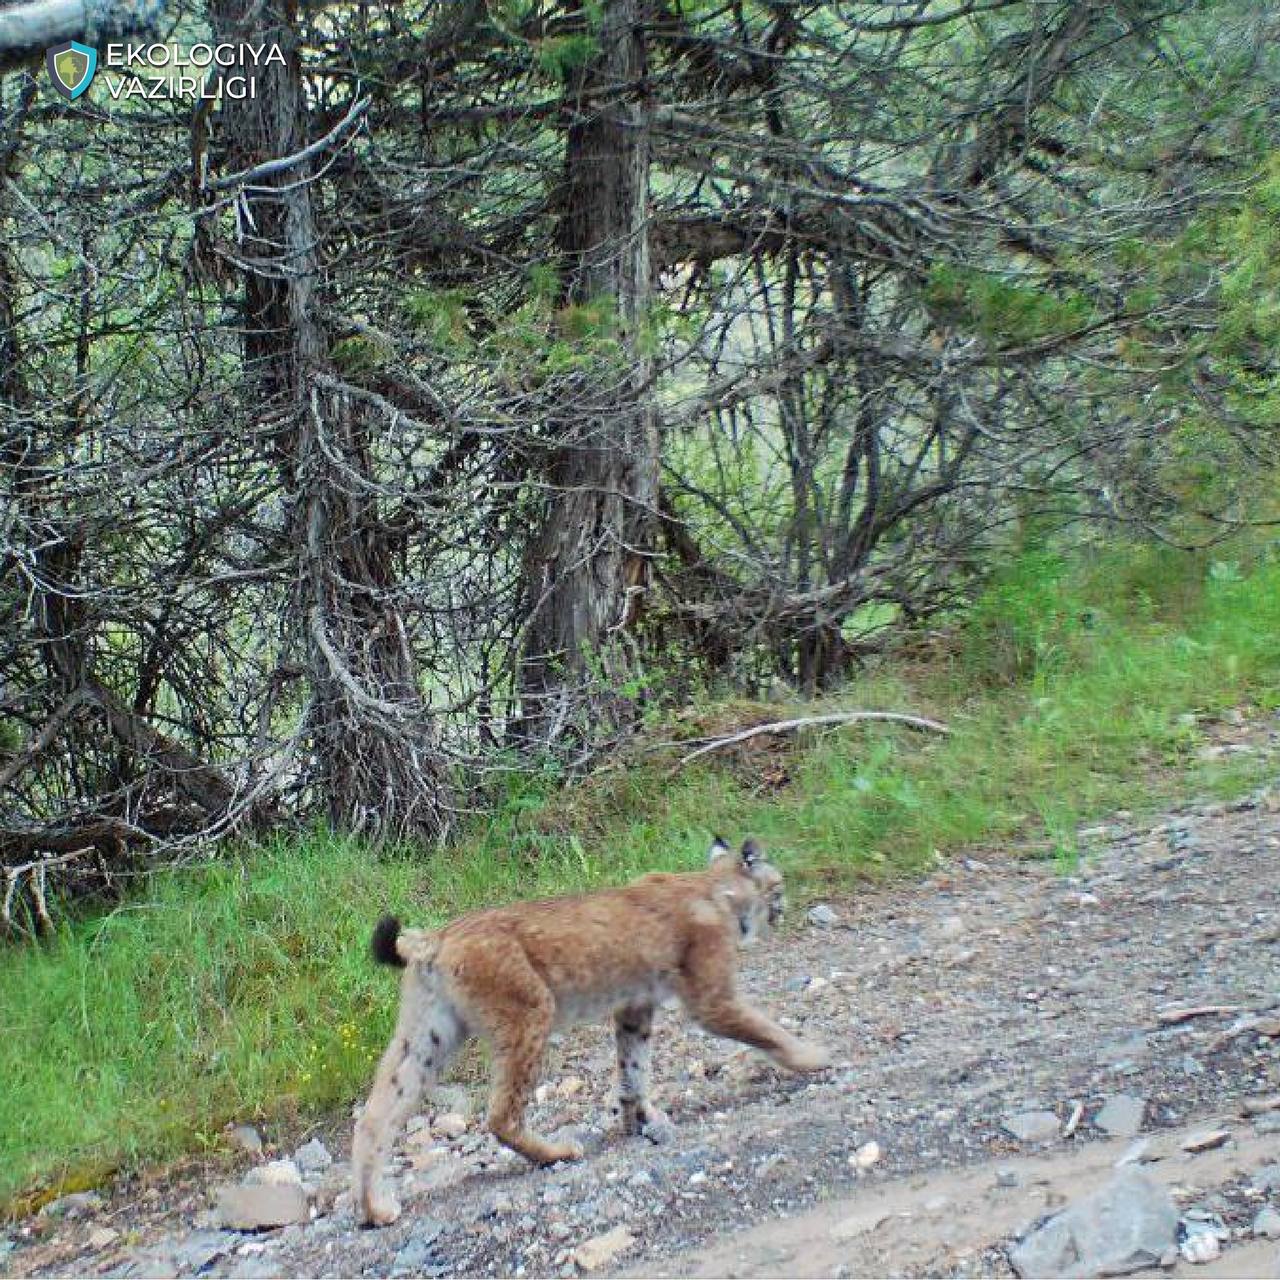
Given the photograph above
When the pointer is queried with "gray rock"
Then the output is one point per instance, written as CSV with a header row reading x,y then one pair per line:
x,y
1267,1123
823,916
79,1204
450,1125
1125,1226
1006,1176
454,1097
255,1268
189,1255
1032,1126
1267,1178
274,1173
1200,1247
1121,1115
417,1256
260,1206
244,1137
1267,1223
201,1248
1121,1055
312,1157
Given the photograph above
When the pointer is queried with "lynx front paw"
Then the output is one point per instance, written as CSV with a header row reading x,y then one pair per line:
x,y
557,1151
657,1127
807,1057
643,1119
381,1211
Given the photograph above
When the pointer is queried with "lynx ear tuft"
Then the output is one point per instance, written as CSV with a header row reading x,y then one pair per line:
x,y
752,853
719,849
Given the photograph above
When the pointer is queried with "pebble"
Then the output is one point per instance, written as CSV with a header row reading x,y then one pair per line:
x,y
275,1173
453,1124
1032,1126
1206,1140
199,1249
1267,1223
1121,1115
454,1097
244,1137
1007,1176
600,1250
1200,1247
823,916
101,1237
865,1156
260,1206
415,1255
312,1157
79,1204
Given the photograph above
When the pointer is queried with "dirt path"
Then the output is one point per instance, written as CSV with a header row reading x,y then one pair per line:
x,y
992,989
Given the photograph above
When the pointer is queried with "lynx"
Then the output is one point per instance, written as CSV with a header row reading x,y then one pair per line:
x,y
513,974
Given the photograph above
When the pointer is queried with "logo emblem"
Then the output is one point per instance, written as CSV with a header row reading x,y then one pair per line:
x,y
71,67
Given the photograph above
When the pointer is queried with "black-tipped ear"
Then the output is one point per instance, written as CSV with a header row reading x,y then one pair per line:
x,y
719,849
752,854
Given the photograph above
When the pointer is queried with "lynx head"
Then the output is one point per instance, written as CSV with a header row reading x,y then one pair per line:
x,y
752,884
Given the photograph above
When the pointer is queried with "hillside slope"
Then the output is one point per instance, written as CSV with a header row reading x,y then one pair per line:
x,y
994,987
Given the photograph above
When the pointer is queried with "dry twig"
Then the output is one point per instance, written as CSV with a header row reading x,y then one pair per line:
x,y
809,722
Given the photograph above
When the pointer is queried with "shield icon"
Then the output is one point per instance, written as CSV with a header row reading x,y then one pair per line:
x,y
71,67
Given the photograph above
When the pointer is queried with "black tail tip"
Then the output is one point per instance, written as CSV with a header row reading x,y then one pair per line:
x,y
383,943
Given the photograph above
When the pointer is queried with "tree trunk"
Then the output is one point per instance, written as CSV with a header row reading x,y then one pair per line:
x,y
588,566
371,740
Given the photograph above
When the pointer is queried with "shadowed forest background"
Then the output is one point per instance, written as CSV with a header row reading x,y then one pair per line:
x,y
402,469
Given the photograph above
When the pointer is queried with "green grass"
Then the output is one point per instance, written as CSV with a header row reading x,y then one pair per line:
x,y
241,988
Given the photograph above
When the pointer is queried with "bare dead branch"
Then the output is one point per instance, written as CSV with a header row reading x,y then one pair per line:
x,y
813,722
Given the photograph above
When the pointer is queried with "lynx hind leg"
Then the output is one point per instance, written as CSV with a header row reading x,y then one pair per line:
x,y
634,1030
708,991
516,1010
428,1032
